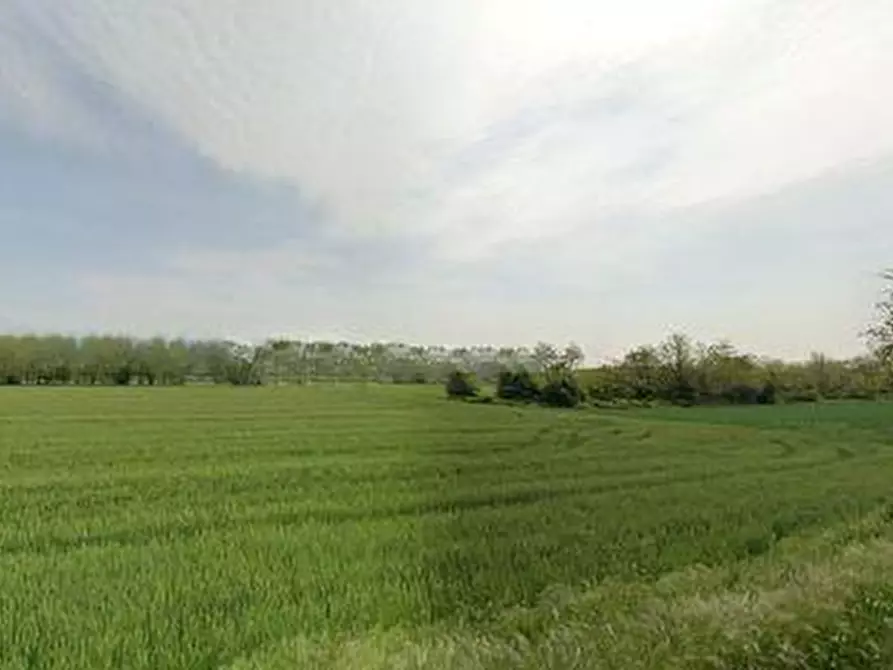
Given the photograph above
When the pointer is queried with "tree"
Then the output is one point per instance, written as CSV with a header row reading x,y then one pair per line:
x,y
555,365
571,358
880,334
121,352
640,373
151,361
245,364
677,356
546,358
91,364
12,361
280,351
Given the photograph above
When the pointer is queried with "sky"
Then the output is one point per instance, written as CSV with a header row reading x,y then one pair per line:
x,y
466,172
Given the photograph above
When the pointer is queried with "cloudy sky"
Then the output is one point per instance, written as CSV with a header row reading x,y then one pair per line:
x,y
471,171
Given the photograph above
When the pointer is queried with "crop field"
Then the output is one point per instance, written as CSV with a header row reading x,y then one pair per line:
x,y
353,526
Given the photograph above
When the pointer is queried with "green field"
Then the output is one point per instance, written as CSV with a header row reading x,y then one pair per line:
x,y
375,526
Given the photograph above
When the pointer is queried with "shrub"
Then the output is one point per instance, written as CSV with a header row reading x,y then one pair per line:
x,y
609,392
681,393
517,385
859,394
741,394
122,376
460,385
563,392
767,395
803,396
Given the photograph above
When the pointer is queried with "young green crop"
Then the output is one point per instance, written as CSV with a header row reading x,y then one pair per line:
x,y
193,527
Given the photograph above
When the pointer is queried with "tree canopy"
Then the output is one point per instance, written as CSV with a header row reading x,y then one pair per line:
x,y
880,333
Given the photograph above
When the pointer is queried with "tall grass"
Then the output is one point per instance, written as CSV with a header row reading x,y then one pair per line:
x,y
817,602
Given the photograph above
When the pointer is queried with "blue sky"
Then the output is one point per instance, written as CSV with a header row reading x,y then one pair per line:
x,y
476,172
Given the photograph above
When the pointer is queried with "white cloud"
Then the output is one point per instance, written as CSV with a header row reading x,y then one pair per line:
x,y
809,99
33,93
376,111
574,137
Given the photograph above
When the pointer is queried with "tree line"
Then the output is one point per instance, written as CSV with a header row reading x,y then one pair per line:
x,y
120,360
677,370
684,372
681,371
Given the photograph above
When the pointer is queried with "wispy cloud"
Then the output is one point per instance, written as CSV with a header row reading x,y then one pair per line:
x,y
371,109
292,150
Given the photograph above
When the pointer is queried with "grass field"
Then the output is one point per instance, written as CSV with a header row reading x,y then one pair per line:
x,y
373,526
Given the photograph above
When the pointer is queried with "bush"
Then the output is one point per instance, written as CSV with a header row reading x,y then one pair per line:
x,y
122,376
563,392
741,394
767,395
460,385
619,404
609,392
681,393
517,385
803,396
859,394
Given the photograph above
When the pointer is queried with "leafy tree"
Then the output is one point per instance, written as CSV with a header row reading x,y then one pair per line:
x,y
640,373
12,362
244,364
880,334
677,355
121,356
767,394
279,357
554,364
92,360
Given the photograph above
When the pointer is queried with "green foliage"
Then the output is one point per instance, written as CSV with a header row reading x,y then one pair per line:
x,y
684,373
100,360
806,395
460,385
558,391
768,395
557,370
122,375
880,334
563,392
677,371
517,385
